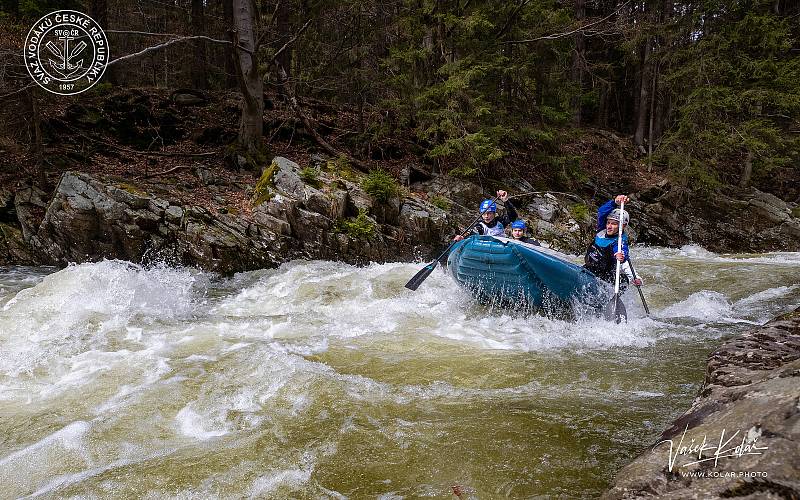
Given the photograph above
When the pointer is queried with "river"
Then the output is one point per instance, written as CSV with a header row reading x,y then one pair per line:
x,y
323,380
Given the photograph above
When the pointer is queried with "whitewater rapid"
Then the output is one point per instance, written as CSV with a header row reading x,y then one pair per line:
x,y
319,379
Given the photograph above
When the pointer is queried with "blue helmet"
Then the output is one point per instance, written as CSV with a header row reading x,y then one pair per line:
x,y
488,206
519,224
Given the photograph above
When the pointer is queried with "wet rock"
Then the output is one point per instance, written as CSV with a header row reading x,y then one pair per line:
x,y
319,160
452,188
206,176
751,387
423,222
387,212
30,206
271,223
8,213
186,97
173,214
13,248
287,179
750,221
543,207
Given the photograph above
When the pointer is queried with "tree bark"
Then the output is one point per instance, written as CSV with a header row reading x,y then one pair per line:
x,y
650,139
231,80
37,147
283,24
747,170
251,85
199,71
98,10
577,63
644,103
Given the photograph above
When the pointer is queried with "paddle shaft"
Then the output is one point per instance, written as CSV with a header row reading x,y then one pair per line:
x,y
639,288
426,271
619,247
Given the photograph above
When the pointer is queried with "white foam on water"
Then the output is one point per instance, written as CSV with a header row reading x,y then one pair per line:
x,y
696,251
65,480
704,305
76,309
269,483
305,307
765,295
237,359
69,437
197,426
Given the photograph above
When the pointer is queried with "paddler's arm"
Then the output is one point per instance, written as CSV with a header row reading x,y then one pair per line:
x,y
511,213
602,213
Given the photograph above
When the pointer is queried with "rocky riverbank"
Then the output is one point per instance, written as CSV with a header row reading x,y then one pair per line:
x,y
747,412
326,210
321,211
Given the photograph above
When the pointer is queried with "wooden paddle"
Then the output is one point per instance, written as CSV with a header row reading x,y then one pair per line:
x,y
426,271
615,309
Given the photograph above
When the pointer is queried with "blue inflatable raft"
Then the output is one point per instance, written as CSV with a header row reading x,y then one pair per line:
x,y
506,273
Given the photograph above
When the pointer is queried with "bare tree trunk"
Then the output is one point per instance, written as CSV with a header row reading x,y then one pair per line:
x,y
577,64
250,82
37,148
231,80
747,171
199,72
284,27
652,115
641,112
98,10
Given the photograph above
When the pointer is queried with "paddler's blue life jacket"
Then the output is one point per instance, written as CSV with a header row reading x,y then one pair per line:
x,y
599,258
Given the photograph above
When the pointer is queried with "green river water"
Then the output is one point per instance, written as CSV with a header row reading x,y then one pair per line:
x,y
323,380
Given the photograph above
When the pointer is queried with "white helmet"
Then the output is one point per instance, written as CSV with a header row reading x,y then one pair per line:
x,y
617,213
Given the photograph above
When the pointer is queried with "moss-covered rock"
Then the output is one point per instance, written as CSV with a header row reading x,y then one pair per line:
x,y
264,187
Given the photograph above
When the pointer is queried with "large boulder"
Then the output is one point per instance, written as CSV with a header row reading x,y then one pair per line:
x,y
751,393
749,221
89,219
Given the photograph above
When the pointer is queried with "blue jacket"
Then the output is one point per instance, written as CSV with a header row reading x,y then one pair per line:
x,y
601,239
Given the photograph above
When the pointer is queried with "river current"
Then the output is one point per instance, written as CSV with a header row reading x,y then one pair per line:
x,y
324,380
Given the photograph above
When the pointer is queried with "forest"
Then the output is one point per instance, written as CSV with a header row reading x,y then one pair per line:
x,y
706,91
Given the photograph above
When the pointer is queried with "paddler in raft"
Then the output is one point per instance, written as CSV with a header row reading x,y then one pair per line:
x,y
603,253
518,228
491,224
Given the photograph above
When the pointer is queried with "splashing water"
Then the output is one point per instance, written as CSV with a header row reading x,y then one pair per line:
x,y
323,380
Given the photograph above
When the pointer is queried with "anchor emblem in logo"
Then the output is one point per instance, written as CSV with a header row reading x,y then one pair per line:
x,y
65,68
66,52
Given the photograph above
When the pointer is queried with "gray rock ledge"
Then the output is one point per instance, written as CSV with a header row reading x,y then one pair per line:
x,y
752,385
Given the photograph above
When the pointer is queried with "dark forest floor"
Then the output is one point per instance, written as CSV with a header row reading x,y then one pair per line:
x,y
150,136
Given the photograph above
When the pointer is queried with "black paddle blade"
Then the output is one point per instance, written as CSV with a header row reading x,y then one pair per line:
x,y
423,273
615,310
